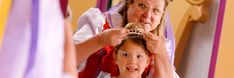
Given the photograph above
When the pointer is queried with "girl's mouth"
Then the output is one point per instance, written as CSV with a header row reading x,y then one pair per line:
x,y
132,69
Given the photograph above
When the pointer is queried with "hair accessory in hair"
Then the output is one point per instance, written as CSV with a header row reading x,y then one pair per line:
x,y
135,28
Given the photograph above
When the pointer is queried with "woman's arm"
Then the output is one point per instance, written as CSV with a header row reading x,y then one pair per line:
x,y
69,66
110,37
87,47
162,66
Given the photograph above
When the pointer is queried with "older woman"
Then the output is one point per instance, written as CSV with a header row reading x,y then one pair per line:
x,y
96,31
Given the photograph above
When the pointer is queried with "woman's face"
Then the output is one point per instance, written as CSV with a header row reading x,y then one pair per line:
x,y
146,12
132,60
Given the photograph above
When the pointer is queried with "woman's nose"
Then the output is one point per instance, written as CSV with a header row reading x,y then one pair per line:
x,y
147,14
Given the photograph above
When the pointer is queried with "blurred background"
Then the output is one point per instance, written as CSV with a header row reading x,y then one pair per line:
x,y
202,28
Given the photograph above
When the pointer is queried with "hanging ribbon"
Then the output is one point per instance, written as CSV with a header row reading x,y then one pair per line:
x,y
104,5
34,35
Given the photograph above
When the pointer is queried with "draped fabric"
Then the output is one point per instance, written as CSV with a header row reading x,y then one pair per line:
x,y
169,34
4,9
33,41
63,5
103,5
16,40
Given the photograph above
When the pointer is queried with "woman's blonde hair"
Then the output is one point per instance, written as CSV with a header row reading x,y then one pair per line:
x,y
160,28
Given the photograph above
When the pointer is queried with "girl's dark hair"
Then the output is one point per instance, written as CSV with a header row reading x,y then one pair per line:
x,y
138,39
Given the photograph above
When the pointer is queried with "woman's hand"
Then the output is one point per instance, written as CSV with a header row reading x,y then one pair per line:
x,y
154,43
113,37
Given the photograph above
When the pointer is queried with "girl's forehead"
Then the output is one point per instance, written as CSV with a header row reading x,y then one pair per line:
x,y
132,48
133,44
132,52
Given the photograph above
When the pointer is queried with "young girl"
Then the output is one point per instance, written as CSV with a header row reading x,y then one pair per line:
x,y
132,55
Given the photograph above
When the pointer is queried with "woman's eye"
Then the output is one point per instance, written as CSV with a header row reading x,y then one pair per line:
x,y
142,6
155,11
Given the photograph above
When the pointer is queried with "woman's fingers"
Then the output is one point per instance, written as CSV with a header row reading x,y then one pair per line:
x,y
120,31
150,36
153,42
114,36
120,35
153,47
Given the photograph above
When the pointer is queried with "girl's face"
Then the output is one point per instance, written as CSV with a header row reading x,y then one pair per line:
x,y
132,60
147,12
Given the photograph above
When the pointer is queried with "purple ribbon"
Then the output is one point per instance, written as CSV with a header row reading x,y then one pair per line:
x,y
102,5
170,35
34,35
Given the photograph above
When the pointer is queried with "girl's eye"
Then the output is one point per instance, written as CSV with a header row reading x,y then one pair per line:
x,y
125,54
139,56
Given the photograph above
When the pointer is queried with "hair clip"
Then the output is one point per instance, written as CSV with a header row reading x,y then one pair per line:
x,y
135,28
135,31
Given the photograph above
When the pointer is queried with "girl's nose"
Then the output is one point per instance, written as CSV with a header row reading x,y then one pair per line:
x,y
132,60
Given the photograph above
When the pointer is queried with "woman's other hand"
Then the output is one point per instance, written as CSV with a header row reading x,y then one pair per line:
x,y
113,37
154,43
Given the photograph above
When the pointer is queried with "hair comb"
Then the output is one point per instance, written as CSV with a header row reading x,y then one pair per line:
x,y
135,28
